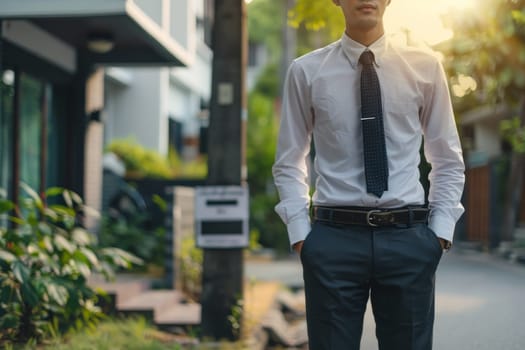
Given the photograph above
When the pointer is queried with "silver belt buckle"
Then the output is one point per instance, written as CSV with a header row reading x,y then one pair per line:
x,y
368,214
384,217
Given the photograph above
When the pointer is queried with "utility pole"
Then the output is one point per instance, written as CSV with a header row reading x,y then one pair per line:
x,y
222,275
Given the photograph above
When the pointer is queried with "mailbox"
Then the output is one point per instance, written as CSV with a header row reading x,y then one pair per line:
x,y
221,216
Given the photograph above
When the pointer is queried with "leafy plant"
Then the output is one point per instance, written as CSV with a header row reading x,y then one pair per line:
x,y
46,258
135,232
236,317
131,235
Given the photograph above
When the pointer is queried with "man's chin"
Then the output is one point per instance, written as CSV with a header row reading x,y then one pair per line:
x,y
366,24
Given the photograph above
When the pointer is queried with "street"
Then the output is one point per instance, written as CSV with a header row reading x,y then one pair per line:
x,y
480,301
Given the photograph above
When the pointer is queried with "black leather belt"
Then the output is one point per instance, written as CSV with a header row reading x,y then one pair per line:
x,y
371,217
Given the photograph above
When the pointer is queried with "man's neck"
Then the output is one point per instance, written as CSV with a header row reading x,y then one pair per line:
x,y
365,38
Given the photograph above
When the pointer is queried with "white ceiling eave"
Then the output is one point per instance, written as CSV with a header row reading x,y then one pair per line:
x,y
161,48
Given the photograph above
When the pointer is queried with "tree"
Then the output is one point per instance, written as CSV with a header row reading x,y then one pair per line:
x,y
318,15
265,21
489,47
265,24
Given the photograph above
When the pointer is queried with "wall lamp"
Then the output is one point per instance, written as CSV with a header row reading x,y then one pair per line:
x,y
100,42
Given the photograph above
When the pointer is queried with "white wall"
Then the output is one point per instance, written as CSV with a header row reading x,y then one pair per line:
x,y
487,139
183,23
153,8
135,110
141,108
198,76
162,135
187,87
140,104
179,102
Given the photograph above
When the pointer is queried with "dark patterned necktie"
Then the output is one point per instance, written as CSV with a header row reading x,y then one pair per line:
x,y
376,164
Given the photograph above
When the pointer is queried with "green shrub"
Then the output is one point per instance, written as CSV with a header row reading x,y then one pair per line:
x,y
197,168
139,161
46,258
136,233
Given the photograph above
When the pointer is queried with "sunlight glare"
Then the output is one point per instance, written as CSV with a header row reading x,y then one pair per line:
x,y
422,18
464,85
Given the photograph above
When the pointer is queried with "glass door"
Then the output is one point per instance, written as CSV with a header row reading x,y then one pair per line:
x,y
7,92
32,108
32,133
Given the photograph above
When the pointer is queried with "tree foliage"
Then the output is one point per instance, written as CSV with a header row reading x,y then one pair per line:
x,y
489,48
261,146
318,15
265,20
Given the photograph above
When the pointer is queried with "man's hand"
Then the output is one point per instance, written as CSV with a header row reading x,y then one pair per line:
x,y
444,243
297,246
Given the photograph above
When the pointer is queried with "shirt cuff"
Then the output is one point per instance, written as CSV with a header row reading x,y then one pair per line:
x,y
442,226
298,229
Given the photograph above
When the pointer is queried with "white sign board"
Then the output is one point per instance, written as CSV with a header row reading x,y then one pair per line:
x,y
221,216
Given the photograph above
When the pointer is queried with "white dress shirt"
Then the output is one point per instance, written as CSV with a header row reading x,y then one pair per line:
x,y
322,98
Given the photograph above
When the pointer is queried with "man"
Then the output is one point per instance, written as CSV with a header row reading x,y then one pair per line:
x,y
371,233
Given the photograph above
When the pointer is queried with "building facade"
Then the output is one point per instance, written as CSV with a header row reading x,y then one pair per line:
x,y
165,108
55,100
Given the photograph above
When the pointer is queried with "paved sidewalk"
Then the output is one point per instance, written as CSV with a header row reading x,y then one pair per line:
x,y
288,272
480,300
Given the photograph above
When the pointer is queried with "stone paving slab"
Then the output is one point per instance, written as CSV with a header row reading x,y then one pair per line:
x,y
179,315
150,303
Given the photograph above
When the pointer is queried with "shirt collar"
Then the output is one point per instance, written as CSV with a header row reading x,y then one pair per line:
x,y
353,49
